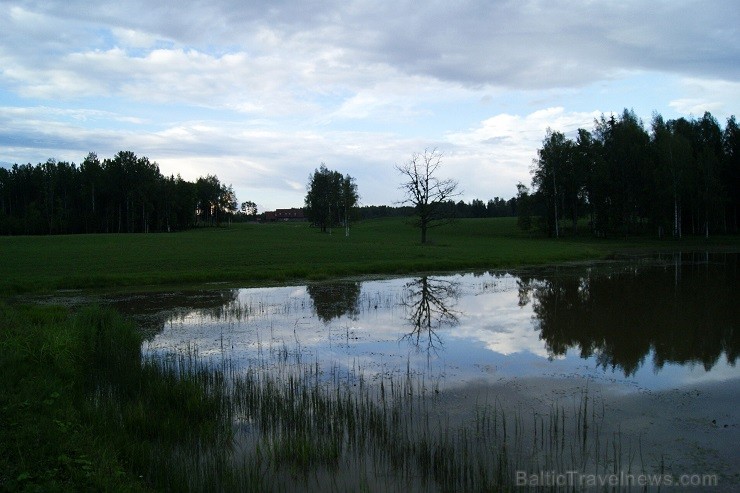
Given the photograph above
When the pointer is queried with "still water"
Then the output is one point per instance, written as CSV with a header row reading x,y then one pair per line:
x,y
638,355
646,324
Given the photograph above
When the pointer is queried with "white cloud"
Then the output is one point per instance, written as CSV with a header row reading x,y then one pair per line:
x,y
133,38
721,98
495,319
492,157
696,106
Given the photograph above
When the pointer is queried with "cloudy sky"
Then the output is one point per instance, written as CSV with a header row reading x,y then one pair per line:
x,y
261,93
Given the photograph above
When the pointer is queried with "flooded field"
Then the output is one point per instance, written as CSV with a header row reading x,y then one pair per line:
x,y
475,380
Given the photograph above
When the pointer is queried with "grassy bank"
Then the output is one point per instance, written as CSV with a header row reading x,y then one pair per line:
x,y
81,411
47,358
250,254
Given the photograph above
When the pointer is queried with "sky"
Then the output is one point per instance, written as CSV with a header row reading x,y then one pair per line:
x,y
262,93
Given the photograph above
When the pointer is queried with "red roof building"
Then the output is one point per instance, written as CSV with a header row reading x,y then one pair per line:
x,y
293,214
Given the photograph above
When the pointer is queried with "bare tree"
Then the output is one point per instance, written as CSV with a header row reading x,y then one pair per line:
x,y
424,191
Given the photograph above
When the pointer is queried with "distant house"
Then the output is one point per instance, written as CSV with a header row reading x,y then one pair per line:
x,y
293,214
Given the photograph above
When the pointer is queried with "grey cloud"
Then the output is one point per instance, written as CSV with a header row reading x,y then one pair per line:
x,y
544,44
522,44
219,22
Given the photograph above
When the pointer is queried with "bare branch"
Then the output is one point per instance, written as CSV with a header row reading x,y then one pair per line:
x,y
424,190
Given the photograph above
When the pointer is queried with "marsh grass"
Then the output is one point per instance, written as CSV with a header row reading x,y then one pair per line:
x,y
85,410
298,426
46,360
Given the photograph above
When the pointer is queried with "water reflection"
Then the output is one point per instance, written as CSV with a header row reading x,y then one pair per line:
x,y
606,321
687,312
429,302
153,311
334,300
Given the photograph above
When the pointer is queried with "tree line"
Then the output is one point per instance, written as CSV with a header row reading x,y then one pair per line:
x,y
681,177
123,194
476,208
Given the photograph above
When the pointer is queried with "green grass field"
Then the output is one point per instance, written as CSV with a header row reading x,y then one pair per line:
x,y
254,254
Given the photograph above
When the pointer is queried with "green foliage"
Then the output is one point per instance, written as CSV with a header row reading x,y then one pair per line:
x,y
524,206
331,198
682,178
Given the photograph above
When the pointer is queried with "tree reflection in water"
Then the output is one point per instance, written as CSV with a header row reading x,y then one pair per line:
x,y
621,316
152,311
428,301
332,300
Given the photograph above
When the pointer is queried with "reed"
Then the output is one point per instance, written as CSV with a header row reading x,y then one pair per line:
x,y
119,420
305,425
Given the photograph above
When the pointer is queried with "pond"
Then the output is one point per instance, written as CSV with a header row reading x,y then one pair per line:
x,y
646,347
